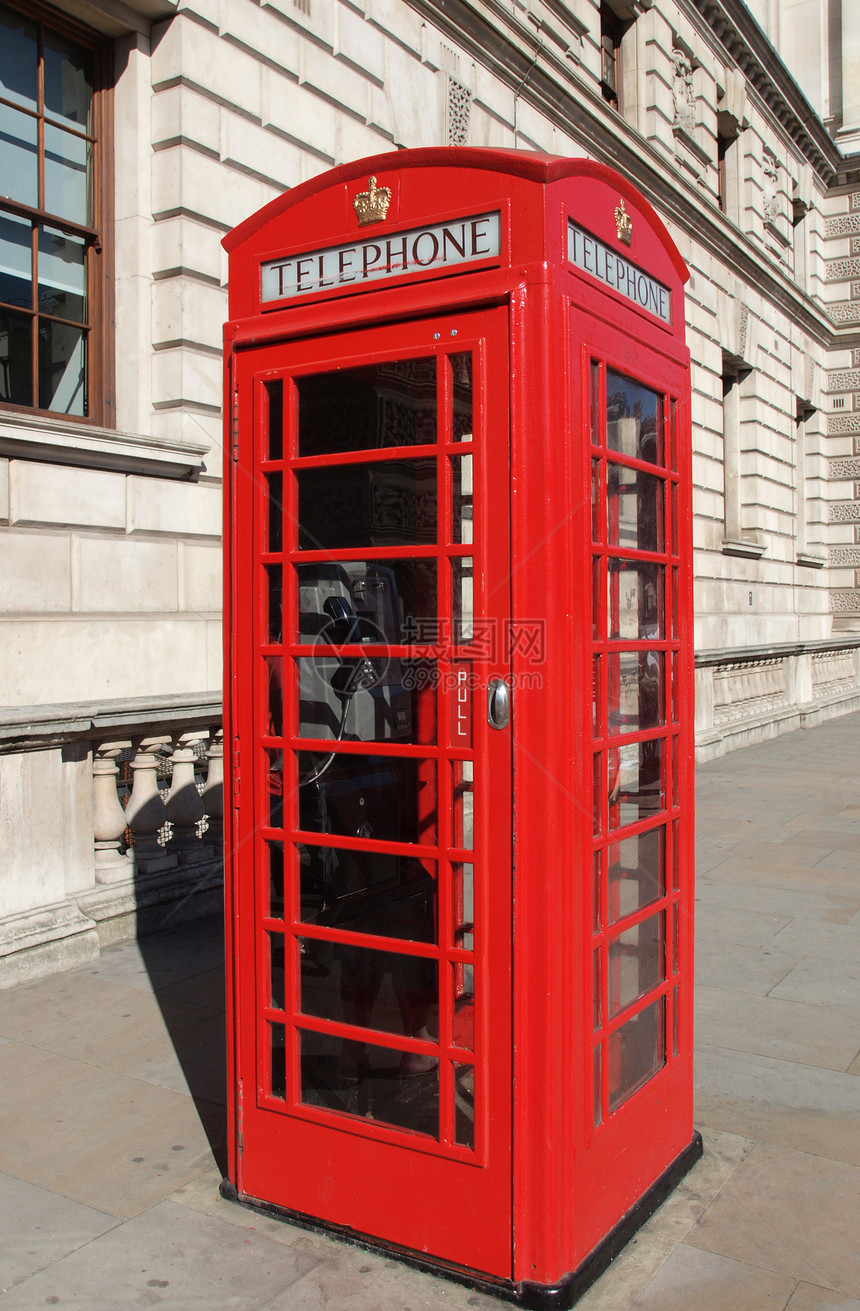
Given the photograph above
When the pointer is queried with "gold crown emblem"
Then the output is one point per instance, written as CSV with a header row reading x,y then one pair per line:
x,y
371,205
623,224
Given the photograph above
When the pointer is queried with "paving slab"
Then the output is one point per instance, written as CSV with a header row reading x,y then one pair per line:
x,y
784,902
836,942
809,1297
114,1143
822,982
733,924
691,1278
790,1212
769,1026
163,958
169,1257
635,1266
350,1279
740,969
40,1227
92,1020
813,1110
193,1061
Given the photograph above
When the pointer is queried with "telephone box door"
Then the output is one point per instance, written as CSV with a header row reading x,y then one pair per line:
x,y
373,898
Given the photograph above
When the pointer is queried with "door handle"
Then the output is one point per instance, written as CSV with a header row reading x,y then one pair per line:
x,y
498,703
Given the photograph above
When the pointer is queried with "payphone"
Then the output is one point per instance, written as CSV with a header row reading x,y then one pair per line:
x,y
459,673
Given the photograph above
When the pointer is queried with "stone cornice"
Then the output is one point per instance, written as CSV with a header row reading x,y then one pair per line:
x,y
744,654
744,41
29,728
541,75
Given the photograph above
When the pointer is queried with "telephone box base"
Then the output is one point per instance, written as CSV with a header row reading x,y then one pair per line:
x,y
535,1297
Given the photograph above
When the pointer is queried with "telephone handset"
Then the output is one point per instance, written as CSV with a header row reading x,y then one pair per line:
x,y
359,698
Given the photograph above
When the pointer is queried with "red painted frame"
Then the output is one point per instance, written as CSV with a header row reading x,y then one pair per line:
x,y
572,1182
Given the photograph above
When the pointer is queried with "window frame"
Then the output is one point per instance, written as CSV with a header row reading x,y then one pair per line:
x,y
97,234
612,30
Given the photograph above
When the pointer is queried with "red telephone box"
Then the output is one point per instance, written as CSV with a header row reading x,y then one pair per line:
x,y
459,677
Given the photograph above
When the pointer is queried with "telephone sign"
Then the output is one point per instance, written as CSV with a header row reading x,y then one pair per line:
x,y
459,697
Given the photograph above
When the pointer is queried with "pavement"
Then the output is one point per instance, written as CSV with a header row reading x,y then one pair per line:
x,y
112,1099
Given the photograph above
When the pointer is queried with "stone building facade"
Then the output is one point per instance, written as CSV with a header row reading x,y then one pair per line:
x,y
143,131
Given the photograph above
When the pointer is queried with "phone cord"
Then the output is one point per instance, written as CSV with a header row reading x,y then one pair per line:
x,y
318,773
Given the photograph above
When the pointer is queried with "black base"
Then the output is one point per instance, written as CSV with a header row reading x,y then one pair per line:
x,y
535,1297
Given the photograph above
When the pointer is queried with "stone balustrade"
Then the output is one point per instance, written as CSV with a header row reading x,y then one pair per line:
x,y
746,696
170,815
134,839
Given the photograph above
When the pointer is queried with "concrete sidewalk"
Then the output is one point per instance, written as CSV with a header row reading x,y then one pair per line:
x,y
112,1098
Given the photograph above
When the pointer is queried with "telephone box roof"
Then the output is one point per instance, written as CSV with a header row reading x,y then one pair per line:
x,y
526,165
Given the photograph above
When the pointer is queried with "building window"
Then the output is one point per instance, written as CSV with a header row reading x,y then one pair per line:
x,y
51,216
611,32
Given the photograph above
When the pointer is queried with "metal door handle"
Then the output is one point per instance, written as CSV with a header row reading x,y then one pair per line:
x,y
498,703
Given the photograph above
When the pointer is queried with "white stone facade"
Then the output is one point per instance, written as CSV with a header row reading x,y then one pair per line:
x,y
110,537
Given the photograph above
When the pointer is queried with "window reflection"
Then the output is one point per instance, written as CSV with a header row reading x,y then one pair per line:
x,y
634,600
634,419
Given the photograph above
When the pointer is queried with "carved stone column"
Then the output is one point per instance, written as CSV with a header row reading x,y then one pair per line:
x,y
146,813
184,803
112,864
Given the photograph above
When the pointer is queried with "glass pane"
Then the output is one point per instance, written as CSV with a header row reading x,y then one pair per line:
x,y
374,1083
379,405
368,892
19,59
597,791
635,509
62,275
19,156
463,1029
68,82
16,261
598,1103
635,691
275,394
275,512
595,697
364,505
461,370
464,906
274,761
275,853
367,700
594,402
67,189
276,960
279,1060
636,873
62,368
635,782
464,775
596,617
16,358
597,1007
274,589
636,1053
596,889
275,671
635,600
633,419
375,990
463,506
596,502
635,963
464,1105
368,797
393,602
463,598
